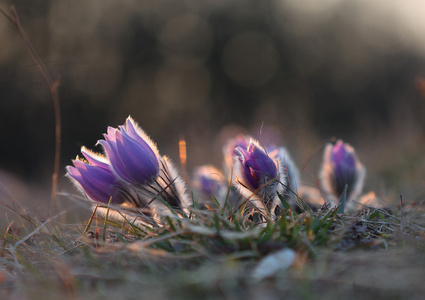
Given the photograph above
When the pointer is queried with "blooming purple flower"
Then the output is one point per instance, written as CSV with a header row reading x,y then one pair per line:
x,y
95,180
209,181
341,168
132,172
130,156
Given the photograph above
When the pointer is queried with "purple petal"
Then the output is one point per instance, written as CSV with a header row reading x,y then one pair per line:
x,y
114,159
97,183
132,133
94,159
131,130
242,154
262,163
240,142
139,160
130,156
111,133
73,172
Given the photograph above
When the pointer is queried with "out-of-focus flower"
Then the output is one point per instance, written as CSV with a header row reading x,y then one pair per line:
x,y
132,172
209,182
258,176
341,168
130,156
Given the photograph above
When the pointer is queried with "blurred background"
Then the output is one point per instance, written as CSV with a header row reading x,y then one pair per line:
x,y
303,72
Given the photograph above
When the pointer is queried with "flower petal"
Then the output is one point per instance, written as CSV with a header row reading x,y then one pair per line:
x,y
95,159
96,182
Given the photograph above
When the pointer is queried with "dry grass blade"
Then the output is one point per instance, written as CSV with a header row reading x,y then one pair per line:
x,y
13,247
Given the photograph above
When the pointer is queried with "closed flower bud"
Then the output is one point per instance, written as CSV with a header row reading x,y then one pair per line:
x,y
341,168
257,176
208,182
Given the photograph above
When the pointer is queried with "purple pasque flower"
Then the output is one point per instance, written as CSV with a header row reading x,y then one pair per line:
x,y
96,180
257,176
132,172
131,154
341,168
257,167
209,181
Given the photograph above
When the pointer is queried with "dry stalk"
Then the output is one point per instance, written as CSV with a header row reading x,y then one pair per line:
x,y
53,85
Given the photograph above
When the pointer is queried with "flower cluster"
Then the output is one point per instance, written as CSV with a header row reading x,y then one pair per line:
x,y
257,175
131,173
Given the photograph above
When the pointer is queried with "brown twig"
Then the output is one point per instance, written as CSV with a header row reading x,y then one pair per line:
x,y
53,85
401,213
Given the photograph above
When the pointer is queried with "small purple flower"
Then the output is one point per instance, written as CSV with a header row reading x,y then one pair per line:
x,y
130,154
257,168
209,181
97,181
257,176
257,179
341,167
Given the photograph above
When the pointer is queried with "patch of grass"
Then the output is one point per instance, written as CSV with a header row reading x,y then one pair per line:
x,y
213,254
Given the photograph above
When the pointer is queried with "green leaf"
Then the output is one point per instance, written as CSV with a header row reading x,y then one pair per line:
x,y
284,203
343,200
